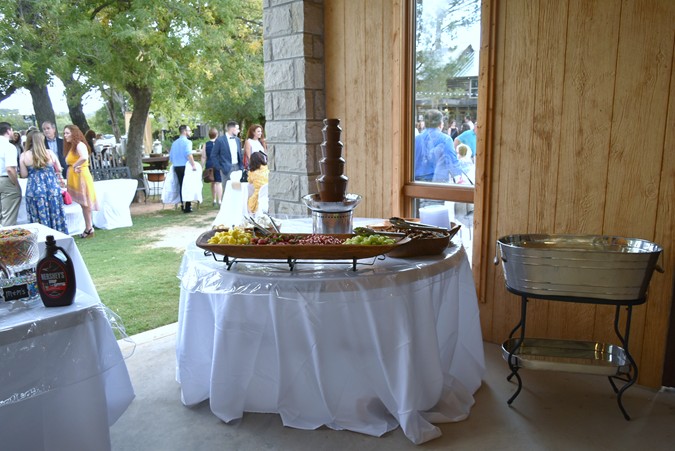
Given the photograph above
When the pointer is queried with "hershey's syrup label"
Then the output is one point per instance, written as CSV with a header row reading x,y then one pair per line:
x,y
53,279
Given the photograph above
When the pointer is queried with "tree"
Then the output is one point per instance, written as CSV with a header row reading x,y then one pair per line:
x,y
157,50
13,117
233,87
115,105
437,26
26,39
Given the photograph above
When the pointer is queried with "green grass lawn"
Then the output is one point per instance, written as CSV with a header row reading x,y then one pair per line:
x,y
135,280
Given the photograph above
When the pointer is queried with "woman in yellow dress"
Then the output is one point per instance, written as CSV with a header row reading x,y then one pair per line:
x,y
258,175
80,181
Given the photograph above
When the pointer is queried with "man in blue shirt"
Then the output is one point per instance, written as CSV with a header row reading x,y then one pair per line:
x,y
468,137
179,156
435,155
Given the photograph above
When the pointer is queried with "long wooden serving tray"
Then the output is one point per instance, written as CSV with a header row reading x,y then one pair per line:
x,y
297,251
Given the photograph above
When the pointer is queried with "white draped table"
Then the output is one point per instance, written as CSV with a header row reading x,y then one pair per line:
x,y
395,343
63,381
114,199
74,217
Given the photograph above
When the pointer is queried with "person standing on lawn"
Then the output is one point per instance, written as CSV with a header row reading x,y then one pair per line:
x,y
227,155
10,191
207,161
179,156
79,180
44,202
55,144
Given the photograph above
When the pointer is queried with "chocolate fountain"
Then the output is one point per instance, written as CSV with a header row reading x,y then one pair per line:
x,y
332,207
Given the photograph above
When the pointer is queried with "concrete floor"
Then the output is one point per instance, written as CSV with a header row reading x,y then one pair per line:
x,y
555,411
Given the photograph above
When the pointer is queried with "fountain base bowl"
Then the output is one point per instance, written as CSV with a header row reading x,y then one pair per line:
x,y
331,217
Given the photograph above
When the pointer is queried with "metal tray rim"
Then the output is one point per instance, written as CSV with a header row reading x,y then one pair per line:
x,y
507,241
568,349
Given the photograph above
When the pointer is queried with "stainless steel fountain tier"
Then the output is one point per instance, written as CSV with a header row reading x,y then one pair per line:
x,y
331,217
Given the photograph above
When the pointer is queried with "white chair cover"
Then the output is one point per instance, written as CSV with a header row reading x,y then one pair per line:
x,y
235,176
263,200
170,193
74,218
192,186
234,206
114,198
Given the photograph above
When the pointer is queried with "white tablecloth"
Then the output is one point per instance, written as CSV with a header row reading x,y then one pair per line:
x,y
192,186
397,343
63,380
114,198
82,277
74,217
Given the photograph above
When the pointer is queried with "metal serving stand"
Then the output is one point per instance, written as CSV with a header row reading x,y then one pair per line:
x,y
573,356
292,262
600,270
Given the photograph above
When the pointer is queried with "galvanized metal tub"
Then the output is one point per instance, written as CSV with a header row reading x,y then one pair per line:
x,y
578,266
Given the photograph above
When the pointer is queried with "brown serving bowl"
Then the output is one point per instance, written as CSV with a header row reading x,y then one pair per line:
x,y
432,244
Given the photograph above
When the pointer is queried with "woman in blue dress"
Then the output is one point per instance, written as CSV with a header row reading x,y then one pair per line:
x,y
44,201
207,161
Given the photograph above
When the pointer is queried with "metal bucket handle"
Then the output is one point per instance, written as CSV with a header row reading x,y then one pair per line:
x,y
496,260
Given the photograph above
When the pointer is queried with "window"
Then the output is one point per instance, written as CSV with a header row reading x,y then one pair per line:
x,y
445,103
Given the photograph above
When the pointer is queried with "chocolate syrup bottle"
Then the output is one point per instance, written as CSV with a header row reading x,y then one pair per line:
x,y
56,276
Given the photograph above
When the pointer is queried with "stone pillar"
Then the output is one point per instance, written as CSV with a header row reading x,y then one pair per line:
x,y
295,101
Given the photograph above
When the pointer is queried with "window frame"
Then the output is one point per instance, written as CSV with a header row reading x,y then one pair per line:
x,y
412,189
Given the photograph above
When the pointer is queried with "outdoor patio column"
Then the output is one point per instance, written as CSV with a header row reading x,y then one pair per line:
x,y
295,102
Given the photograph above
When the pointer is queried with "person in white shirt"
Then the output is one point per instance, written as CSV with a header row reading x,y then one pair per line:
x,y
255,142
227,153
10,191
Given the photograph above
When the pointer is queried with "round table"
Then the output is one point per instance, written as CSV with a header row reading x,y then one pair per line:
x,y
397,342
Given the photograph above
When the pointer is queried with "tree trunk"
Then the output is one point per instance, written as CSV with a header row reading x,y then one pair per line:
x,y
142,98
74,92
110,107
42,103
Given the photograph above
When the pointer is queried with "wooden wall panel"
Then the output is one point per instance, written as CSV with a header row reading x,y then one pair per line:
x,y
581,124
334,52
360,78
354,116
643,73
616,89
588,85
372,173
660,302
546,135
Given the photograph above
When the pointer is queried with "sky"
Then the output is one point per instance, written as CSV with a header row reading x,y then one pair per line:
x,y
21,100
92,102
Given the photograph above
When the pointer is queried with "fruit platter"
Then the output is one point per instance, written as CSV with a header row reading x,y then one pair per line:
x,y
240,243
